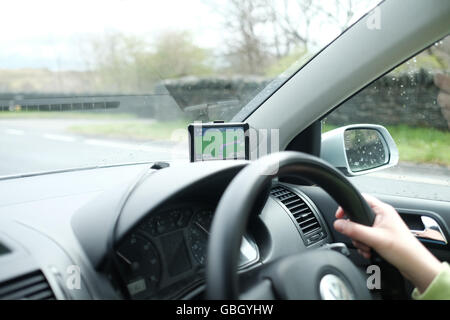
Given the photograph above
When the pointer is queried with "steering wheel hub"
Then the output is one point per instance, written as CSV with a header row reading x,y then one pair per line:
x,y
331,287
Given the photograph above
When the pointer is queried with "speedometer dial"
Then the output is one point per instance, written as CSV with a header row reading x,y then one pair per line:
x,y
199,234
140,266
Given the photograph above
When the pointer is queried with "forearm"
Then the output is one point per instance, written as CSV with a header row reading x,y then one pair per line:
x,y
439,289
418,265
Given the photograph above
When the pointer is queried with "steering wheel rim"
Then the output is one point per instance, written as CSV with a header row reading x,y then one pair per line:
x,y
240,198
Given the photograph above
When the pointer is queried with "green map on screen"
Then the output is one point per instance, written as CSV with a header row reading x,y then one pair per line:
x,y
219,143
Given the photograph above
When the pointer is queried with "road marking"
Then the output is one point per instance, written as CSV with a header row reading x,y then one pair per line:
x,y
14,132
58,137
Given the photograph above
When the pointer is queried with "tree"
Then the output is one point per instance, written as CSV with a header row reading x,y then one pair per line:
x,y
267,31
247,51
129,64
175,55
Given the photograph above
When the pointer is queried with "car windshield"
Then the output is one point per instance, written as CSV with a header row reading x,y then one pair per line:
x,y
98,83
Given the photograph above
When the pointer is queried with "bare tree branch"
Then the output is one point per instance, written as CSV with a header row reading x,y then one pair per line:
x,y
267,30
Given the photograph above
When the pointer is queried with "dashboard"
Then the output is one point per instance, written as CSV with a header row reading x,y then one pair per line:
x,y
50,224
165,256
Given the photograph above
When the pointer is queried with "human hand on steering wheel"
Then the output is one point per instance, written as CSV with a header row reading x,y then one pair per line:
x,y
393,240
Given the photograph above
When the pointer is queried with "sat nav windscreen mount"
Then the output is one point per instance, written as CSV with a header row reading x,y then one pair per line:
x,y
218,141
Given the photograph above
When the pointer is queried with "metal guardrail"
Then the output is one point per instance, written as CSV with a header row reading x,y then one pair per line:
x,y
58,103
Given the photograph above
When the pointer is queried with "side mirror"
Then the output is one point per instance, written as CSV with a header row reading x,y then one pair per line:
x,y
359,149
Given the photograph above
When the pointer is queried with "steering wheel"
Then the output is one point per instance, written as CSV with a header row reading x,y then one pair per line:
x,y
313,274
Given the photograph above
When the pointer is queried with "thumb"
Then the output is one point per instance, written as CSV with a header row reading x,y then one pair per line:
x,y
359,232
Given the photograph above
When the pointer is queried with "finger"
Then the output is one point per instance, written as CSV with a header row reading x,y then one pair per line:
x,y
364,254
340,213
378,207
372,201
360,245
368,235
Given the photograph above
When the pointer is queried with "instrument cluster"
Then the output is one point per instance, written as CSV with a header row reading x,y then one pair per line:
x,y
166,255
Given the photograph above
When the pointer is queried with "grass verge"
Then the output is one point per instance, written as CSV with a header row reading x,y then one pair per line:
x,y
417,145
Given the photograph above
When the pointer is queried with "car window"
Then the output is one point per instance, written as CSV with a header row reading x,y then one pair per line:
x,y
413,103
92,83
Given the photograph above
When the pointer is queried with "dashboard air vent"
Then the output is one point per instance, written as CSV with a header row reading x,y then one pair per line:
x,y
306,220
32,286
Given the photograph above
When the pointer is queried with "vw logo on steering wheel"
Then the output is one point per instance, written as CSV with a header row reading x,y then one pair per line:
x,y
331,287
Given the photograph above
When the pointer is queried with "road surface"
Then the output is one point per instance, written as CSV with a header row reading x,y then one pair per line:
x,y
44,145
427,182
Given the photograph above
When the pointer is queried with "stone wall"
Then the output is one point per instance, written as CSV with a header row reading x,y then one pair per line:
x,y
404,99
208,98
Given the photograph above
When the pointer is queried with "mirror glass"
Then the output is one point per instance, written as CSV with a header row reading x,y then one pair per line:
x,y
365,149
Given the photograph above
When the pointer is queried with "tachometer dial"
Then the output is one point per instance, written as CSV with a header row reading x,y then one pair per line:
x,y
140,266
167,221
199,234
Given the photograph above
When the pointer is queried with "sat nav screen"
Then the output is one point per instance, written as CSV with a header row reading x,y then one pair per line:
x,y
218,142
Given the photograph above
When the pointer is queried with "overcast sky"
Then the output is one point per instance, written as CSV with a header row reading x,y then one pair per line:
x,y
49,33
46,33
